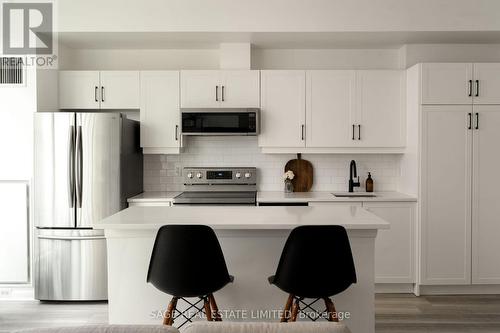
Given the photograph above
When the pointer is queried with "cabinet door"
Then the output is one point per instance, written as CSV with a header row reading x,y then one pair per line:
x,y
447,83
240,89
120,90
380,102
394,247
160,115
79,90
487,83
485,197
330,108
446,195
200,89
282,109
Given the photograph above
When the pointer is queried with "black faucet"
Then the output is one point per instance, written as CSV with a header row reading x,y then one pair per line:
x,y
353,173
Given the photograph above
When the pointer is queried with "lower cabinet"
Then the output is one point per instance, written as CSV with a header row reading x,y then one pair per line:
x,y
395,247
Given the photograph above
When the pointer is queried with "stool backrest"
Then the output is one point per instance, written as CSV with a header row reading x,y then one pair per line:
x,y
187,261
316,262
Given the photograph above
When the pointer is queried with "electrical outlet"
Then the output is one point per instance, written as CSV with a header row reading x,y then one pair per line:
x,y
5,292
178,171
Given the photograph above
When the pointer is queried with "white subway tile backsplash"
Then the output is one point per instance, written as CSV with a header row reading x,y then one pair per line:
x,y
331,171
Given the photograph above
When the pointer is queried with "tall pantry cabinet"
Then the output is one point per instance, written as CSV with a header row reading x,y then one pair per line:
x,y
456,107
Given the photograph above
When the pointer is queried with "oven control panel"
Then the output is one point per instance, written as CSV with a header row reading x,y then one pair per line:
x,y
220,175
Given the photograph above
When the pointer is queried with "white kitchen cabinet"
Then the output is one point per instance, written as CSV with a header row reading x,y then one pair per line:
x,y
380,109
120,90
160,114
283,108
447,83
79,90
99,90
330,108
485,195
219,89
395,247
487,83
446,171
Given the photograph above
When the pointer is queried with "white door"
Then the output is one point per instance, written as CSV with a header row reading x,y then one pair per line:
x,y
487,83
330,108
447,83
120,90
283,109
200,89
446,195
485,196
240,89
394,247
79,90
160,115
380,103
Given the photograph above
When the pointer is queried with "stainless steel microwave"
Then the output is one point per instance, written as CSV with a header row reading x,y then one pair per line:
x,y
241,121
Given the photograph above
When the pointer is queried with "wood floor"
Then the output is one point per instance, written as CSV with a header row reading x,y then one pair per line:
x,y
394,313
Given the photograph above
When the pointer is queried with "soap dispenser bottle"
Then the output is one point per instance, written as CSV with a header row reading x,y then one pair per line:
x,y
369,183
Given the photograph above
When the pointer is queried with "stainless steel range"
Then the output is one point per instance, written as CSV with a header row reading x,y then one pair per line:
x,y
218,186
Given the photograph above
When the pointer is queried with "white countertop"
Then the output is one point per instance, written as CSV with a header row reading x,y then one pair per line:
x,y
280,196
243,217
326,196
154,197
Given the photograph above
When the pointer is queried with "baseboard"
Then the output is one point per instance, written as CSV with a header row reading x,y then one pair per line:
x,y
460,290
394,288
17,292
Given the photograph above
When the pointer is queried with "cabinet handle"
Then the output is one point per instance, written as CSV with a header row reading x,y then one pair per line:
x,y
302,129
477,88
223,93
95,94
477,120
470,88
176,132
359,132
102,94
216,93
470,121
353,127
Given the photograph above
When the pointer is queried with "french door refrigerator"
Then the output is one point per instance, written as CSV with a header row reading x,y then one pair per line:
x,y
86,165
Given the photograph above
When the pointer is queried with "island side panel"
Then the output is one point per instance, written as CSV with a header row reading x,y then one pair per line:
x,y
251,256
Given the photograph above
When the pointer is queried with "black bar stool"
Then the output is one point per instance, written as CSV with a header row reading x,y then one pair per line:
x,y
187,261
316,263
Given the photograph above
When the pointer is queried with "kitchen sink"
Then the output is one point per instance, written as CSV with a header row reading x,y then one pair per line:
x,y
354,195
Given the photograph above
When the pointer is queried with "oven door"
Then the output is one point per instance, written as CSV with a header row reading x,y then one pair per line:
x,y
220,122
216,198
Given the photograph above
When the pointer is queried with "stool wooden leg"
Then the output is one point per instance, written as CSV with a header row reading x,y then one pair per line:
x,y
286,311
214,307
295,310
168,319
332,312
208,311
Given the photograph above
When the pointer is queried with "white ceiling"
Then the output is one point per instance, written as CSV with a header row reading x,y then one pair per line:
x,y
272,40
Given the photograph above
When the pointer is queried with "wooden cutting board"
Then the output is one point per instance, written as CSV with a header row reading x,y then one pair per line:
x,y
303,171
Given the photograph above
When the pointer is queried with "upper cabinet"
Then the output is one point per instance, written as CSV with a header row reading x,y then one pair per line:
x,y
460,83
160,114
99,90
283,96
344,110
220,89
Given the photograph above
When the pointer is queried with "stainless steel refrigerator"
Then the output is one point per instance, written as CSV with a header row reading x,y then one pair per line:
x,y
86,165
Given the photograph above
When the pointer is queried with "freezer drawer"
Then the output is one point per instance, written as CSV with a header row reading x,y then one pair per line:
x,y
70,265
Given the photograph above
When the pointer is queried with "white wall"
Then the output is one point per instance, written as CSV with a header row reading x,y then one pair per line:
x,y
412,54
331,172
278,15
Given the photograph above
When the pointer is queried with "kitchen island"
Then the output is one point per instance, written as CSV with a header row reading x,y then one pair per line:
x,y
252,239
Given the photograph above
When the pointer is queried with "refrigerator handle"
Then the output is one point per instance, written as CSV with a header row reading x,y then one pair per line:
x,y
71,166
79,167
